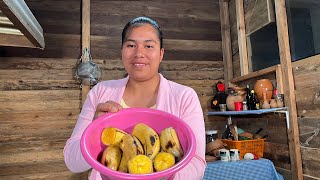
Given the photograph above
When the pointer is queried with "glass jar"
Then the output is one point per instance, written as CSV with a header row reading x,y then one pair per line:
x,y
211,136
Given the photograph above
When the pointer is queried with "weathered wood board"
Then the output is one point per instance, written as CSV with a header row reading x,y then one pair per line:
x,y
40,100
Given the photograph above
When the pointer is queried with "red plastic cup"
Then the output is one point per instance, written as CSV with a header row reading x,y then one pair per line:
x,y
238,106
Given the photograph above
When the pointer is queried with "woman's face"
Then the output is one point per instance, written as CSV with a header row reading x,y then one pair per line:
x,y
141,53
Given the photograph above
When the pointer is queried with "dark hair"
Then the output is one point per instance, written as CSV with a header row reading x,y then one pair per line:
x,y
138,22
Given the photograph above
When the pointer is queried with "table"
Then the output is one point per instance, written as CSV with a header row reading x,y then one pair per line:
x,y
243,169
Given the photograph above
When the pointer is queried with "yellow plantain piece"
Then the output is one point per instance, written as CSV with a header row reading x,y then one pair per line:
x,y
112,136
130,146
170,143
149,139
140,164
163,161
111,157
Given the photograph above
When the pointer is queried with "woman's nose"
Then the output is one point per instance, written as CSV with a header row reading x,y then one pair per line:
x,y
140,51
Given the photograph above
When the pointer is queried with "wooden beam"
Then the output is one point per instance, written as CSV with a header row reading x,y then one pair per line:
x,y
85,39
255,74
226,41
242,38
288,86
15,40
20,15
279,79
249,53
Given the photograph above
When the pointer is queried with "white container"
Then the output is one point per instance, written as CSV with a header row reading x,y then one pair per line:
x,y
224,155
234,155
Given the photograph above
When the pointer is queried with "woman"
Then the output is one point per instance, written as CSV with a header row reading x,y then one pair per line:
x,y
142,53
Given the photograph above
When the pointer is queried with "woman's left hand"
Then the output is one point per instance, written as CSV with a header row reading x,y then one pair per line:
x,y
109,106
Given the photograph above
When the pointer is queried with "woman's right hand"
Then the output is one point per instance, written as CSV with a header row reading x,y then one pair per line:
x,y
109,106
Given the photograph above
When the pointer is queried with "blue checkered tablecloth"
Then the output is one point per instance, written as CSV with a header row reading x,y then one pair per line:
x,y
245,169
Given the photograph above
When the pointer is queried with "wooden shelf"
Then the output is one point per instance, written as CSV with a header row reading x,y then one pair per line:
x,y
247,112
255,74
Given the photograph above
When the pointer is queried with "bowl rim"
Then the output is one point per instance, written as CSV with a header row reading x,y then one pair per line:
x,y
155,175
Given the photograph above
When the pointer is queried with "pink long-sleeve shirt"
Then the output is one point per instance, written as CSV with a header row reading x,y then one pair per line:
x,y
179,100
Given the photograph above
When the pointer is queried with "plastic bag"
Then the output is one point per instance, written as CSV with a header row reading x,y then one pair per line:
x,y
87,73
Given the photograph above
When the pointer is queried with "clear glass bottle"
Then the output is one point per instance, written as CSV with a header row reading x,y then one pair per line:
x,y
248,98
254,101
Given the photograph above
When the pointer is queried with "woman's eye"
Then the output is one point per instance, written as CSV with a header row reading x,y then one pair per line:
x,y
130,46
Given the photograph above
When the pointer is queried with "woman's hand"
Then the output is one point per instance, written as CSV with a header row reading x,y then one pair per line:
x,y
109,106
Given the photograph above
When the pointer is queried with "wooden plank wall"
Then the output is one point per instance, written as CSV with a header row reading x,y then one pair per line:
x,y
307,83
40,99
307,89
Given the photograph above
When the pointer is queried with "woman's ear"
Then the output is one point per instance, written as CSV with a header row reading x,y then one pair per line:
x,y
161,54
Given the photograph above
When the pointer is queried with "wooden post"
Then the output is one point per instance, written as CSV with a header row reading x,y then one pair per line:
x,y
226,41
279,79
85,40
288,87
242,38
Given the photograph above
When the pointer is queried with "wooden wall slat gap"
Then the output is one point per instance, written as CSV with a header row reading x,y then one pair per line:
x,y
189,32
16,121
67,113
192,66
22,128
192,45
96,52
25,126
45,95
37,63
202,11
157,9
169,23
64,6
37,156
35,137
40,105
30,136
7,85
51,74
48,52
62,40
53,17
169,44
192,55
61,27
180,75
44,145
50,115
16,170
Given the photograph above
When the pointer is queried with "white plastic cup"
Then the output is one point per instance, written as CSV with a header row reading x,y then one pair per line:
x,y
234,155
224,155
